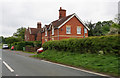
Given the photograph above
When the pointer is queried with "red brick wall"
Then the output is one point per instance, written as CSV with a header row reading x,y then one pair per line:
x,y
39,37
74,22
29,37
43,37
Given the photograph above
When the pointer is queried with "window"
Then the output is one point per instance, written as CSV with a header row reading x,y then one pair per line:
x,y
46,32
52,39
52,31
78,30
85,30
45,40
68,30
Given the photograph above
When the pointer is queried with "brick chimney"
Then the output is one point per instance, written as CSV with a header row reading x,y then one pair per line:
x,y
38,24
62,13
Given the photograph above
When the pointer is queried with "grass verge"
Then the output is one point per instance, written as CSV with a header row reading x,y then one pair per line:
x,y
107,64
30,52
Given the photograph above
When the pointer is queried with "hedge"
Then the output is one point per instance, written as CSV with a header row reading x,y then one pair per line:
x,y
20,45
104,44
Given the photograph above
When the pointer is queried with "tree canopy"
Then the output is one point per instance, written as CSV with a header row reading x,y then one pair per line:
x,y
99,28
20,33
11,40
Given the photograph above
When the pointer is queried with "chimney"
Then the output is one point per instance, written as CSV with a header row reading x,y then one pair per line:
x,y
62,13
38,24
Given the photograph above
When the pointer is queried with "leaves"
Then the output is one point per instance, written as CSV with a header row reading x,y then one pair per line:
x,y
20,33
99,28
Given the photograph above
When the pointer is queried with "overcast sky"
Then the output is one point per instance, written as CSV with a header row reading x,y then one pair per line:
x,y
26,13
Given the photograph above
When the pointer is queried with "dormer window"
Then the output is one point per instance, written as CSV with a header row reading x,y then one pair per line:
x,y
45,32
52,31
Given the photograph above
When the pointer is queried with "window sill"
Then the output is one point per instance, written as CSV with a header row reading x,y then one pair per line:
x,y
68,33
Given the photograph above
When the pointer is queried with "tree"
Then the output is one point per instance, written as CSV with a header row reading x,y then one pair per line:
x,y
102,28
97,30
2,39
115,29
20,33
91,27
11,40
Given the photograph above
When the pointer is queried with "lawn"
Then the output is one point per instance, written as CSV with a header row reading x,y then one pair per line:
x,y
107,64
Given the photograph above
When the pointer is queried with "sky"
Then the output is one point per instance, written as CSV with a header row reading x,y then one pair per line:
x,y
15,14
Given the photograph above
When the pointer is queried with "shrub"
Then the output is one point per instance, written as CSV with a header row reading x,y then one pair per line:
x,y
106,44
20,45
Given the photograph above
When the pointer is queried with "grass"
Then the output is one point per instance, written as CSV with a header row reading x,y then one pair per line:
x,y
29,52
107,64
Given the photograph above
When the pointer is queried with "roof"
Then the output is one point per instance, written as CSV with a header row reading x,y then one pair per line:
x,y
34,31
60,22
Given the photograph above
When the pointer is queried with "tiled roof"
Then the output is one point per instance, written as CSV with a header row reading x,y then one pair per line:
x,y
34,30
58,22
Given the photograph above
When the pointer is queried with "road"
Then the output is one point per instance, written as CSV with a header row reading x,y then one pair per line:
x,y
19,65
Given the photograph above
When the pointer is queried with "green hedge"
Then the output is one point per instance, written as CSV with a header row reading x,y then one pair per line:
x,y
104,44
20,45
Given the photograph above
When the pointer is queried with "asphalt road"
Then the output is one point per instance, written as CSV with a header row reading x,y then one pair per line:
x,y
25,66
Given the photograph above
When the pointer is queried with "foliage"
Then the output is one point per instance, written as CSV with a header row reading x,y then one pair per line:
x,y
2,40
115,29
11,40
91,27
107,44
20,45
100,63
20,33
99,28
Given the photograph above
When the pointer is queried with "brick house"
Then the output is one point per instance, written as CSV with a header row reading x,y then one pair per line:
x,y
32,34
65,27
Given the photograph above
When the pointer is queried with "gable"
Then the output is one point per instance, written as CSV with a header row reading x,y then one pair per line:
x,y
71,18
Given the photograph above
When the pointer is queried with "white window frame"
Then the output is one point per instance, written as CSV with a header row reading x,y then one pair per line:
x,y
68,30
52,39
52,31
45,32
78,30
45,40
85,30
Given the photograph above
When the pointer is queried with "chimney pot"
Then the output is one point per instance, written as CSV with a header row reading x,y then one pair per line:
x,y
62,13
38,24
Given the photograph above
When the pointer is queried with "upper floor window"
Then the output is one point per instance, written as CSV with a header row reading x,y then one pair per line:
x,y
78,30
45,32
85,30
52,31
68,30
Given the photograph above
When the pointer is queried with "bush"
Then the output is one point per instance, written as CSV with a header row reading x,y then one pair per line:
x,y
20,45
106,44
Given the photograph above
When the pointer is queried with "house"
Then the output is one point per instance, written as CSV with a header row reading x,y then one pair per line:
x,y
32,34
64,27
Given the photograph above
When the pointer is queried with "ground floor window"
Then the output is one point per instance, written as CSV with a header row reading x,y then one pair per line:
x,y
52,39
45,40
